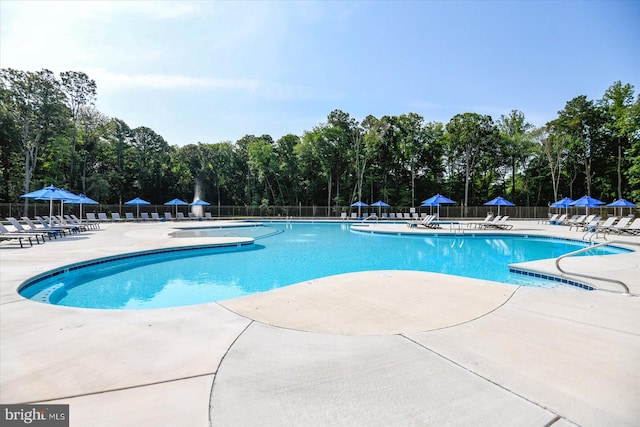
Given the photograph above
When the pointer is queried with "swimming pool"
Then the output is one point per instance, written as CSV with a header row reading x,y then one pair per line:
x,y
284,254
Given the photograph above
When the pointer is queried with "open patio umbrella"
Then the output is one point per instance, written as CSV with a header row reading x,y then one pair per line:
x,y
199,206
359,204
137,202
50,193
563,203
499,201
176,203
622,203
380,204
587,202
436,201
81,200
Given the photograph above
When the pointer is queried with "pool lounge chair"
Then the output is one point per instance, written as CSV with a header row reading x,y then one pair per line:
x,y
145,216
425,222
607,224
549,220
21,230
91,224
207,215
155,216
168,216
562,219
59,221
499,224
102,217
487,220
633,228
128,216
48,224
115,216
582,221
91,218
617,227
5,234
180,216
34,227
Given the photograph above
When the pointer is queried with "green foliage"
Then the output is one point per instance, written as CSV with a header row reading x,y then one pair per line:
x,y
50,133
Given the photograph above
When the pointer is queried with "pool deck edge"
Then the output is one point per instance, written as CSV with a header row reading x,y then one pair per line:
x,y
547,353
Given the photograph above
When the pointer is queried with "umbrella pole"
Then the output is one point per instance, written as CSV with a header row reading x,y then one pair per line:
x,y
50,211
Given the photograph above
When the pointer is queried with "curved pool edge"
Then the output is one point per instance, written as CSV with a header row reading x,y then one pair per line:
x,y
229,242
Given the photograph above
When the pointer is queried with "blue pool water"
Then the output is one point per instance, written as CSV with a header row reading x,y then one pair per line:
x,y
284,254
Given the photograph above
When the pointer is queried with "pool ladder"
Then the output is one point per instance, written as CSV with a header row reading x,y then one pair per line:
x,y
588,276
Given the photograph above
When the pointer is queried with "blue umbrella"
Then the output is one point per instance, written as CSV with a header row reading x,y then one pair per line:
x,y
562,203
137,202
359,204
380,204
176,203
499,201
49,193
587,202
199,203
81,199
622,203
436,201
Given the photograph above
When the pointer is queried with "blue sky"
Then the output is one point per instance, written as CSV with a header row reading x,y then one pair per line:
x,y
215,71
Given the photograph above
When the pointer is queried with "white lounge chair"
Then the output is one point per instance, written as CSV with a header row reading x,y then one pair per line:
x,y
633,228
155,216
102,217
91,224
34,227
129,216
20,229
607,224
487,220
499,223
145,216
550,220
207,215
618,226
5,234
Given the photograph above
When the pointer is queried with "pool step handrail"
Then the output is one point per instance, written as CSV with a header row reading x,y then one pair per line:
x,y
371,217
588,276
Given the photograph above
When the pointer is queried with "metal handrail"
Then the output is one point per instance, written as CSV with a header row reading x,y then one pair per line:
x,y
604,279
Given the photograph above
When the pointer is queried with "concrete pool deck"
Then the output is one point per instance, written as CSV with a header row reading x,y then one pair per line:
x,y
373,348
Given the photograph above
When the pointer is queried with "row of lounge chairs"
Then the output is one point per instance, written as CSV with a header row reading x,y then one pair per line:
x,y
592,223
144,216
615,225
45,228
393,216
491,222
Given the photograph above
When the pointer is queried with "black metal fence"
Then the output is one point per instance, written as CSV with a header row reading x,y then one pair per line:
x,y
318,212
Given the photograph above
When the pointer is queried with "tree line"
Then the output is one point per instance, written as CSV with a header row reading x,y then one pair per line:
x,y
52,133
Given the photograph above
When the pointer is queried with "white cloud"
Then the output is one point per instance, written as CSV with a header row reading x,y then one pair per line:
x,y
116,81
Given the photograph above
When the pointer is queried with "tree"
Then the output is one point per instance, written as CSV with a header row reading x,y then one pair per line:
x,y
554,147
39,108
516,143
472,136
617,103
81,93
583,122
